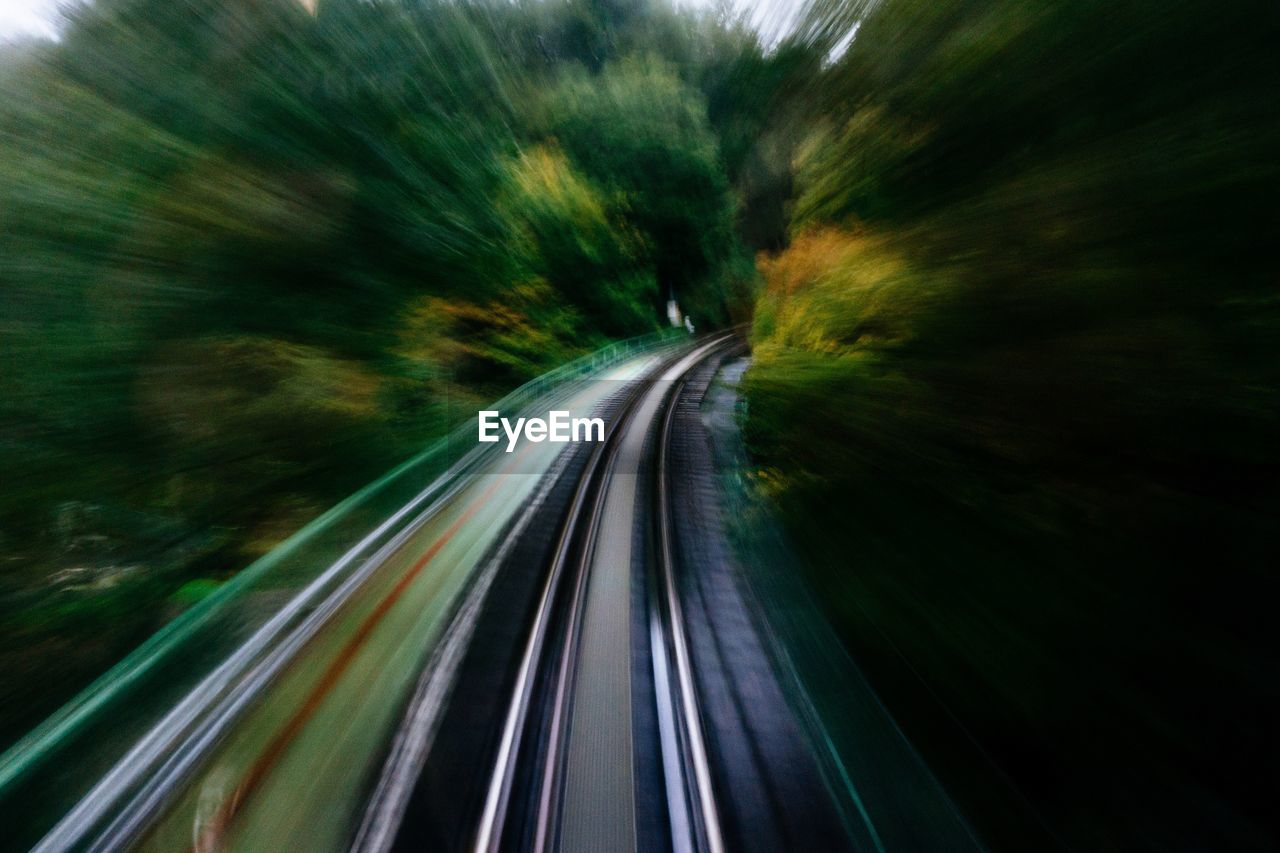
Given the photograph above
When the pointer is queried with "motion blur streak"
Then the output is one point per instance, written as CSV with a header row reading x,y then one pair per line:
x,y
956,529
1016,389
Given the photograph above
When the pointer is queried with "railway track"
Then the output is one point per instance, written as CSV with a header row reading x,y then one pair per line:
x,y
539,657
580,648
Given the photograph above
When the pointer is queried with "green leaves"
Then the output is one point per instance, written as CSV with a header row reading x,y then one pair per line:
x,y
252,253
579,241
641,133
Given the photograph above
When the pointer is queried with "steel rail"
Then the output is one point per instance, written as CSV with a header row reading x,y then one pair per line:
x,y
700,818
497,800
571,564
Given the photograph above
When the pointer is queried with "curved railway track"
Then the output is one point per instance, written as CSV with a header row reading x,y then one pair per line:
x,y
580,642
549,662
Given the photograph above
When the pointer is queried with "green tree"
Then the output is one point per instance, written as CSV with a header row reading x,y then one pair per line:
x,y
639,132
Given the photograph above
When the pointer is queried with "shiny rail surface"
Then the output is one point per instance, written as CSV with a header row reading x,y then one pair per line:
x,y
584,787
699,817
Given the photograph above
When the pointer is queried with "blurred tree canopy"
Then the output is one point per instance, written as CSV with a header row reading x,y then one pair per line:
x,y
254,253
1016,385
643,135
1015,332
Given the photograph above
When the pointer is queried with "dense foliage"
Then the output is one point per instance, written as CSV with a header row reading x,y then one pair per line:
x,y
1016,387
254,253
1016,384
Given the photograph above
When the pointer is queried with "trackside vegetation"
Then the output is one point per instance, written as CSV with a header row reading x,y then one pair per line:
x,y
1016,390
1008,271
253,254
